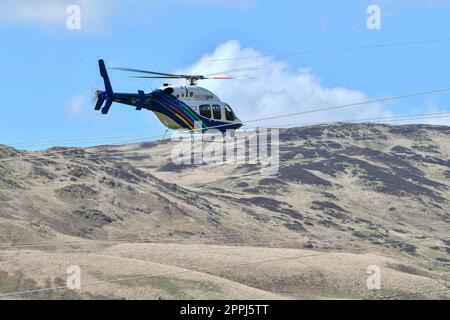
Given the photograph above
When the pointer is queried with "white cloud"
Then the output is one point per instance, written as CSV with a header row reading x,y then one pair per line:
x,y
431,107
75,106
279,89
53,13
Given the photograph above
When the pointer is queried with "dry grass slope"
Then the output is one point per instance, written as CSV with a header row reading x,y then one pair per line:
x,y
345,196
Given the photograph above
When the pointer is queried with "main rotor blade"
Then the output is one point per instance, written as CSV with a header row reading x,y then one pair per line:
x,y
221,78
244,69
230,78
148,72
185,76
156,77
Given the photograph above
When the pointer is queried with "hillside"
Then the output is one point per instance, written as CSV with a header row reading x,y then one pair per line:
x,y
345,196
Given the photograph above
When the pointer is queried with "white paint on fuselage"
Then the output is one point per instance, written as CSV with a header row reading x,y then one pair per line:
x,y
195,96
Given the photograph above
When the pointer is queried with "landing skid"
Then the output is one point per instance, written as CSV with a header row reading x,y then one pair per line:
x,y
164,135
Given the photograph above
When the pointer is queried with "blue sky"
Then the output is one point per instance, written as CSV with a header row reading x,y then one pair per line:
x,y
49,72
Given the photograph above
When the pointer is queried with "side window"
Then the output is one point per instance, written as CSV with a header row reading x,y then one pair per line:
x,y
216,112
229,115
191,94
205,110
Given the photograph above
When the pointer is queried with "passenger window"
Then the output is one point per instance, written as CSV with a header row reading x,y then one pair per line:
x,y
216,112
229,115
191,94
205,110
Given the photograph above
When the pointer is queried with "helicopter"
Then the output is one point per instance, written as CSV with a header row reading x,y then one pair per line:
x,y
183,108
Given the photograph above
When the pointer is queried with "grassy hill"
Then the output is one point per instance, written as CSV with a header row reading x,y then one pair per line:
x,y
345,196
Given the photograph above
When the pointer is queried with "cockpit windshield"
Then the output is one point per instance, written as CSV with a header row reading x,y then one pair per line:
x,y
229,114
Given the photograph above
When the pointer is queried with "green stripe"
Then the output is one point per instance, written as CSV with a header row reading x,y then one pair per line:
x,y
173,112
188,109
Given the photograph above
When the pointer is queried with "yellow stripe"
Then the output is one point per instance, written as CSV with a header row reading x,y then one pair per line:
x,y
181,118
189,126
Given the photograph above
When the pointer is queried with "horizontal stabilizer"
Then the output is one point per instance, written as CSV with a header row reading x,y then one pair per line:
x,y
100,99
108,104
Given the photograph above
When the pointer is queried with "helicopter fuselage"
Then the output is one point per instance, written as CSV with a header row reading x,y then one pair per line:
x,y
184,108
187,107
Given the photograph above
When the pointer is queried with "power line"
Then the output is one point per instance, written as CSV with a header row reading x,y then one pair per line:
x,y
407,95
114,141
331,50
322,109
435,91
223,246
411,294
145,239
139,137
141,153
202,269
376,119
79,140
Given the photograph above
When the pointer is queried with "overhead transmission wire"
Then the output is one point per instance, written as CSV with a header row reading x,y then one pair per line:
x,y
107,154
142,239
104,252
376,119
222,246
141,152
100,154
392,44
314,110
416,293
291,114
407,95
151,239
330,50
86,140
318,286
287,53
281,244
146,239
115,140
78,140
381,119
434,91
190,271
